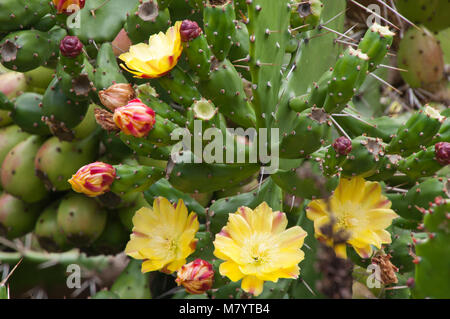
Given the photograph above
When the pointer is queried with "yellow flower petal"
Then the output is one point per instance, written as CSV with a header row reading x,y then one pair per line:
x,y
252,285
231,270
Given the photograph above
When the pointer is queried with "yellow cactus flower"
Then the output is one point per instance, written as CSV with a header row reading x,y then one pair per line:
x,y
163,237
361,210
257,247
156,58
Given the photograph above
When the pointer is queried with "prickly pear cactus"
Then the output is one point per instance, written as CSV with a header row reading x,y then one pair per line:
x,y
224,149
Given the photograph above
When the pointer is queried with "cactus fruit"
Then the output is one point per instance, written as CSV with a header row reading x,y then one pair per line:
x,y
27,113
17,218
81,219
56,161
47,231
18,176
420,53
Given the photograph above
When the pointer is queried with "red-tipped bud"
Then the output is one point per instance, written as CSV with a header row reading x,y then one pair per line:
x,y
135,118
442,152
93,179
189,30
68,6
117,95
342,145
71,46
196,276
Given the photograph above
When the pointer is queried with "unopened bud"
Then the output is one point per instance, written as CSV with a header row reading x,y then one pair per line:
x,y
189,30
196,277
342,145
70,46
117,95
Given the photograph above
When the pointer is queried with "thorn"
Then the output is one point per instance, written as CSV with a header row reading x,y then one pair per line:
x,y
339,127
375,14
385,83
338,33
398,14
392,67
335,17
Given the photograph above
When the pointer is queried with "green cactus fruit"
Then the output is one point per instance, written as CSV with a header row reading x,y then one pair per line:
x,y
376,43
87,126
431,13
146,19
147,95
268,192
165,189
205,111
417,132
305,181
26,50
420,53
311,131
17,218
105,294
129,208
411,205
132,283
5,119
107,72
348,75
56,161
305,15
81,219
9,137
433,263
50,236
21,14
218,17
39,79
365,158
135,178
27,113
420,164
60,113
18,174
101,21
226,89
113,238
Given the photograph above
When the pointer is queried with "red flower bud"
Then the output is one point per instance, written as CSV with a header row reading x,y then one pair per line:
x,y
196,277
135,118
93,179
70,46
342,145
189,30
442,152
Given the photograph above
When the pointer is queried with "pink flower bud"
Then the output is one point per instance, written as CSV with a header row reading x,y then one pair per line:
x,y
196,276
93,179
135,118
67,6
